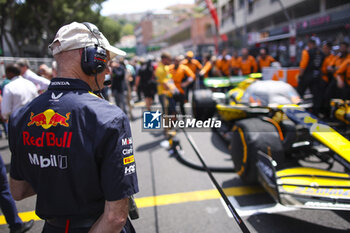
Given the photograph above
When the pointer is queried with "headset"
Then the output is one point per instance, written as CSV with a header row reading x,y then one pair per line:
x,y
94,58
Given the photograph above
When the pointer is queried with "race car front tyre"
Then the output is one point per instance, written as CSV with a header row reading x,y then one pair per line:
x,y
203,105
250,136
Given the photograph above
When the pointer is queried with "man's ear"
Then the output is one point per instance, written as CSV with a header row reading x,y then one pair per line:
x,y
55,45
81,51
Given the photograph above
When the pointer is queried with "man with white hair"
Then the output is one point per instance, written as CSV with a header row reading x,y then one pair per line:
x,y
40,82
17,93
75,149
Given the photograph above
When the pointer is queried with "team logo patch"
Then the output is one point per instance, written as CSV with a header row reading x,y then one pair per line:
x,y
130,170
49,118
127,141
129,159
48,139
57,161
56,97
127,151
151,120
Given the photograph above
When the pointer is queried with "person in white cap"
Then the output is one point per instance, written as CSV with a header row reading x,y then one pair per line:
x,y
75,150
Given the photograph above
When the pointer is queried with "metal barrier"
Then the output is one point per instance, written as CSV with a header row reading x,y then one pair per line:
x,y
33,62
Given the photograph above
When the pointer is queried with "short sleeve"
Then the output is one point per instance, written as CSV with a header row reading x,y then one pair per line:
x,y
6,103
199,65
304,59
158,73
118,167
189,72
272,59
342,68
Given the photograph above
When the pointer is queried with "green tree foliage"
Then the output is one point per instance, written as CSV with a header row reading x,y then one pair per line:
x,y
111,29
32,24
127,29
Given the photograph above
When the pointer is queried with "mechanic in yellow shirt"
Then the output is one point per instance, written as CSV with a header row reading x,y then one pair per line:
x,y
182,76
164,87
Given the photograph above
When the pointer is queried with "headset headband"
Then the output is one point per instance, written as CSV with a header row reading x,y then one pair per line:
x,y
97,61
93,32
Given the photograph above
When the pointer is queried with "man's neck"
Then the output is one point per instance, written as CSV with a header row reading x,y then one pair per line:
x,y
72,73
24,70
14,77
68,74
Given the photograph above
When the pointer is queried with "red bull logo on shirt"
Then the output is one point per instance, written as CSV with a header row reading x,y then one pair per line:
x,y
48,118
48,139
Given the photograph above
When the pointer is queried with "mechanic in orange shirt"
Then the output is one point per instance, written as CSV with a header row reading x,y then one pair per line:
x,y
209,69
234,63
327,69
247,63
223,64
333,90
342,76
192,63
205,71
341,56
182,76
327,83
195,66
310,74
264,60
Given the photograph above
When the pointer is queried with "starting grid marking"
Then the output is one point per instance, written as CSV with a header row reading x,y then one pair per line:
x,y
178,198
169,199
255,209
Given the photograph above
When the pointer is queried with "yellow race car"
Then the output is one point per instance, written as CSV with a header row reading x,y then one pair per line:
x,y
273,140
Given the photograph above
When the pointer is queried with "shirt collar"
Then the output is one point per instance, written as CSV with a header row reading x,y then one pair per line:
x,y
68,84
16,77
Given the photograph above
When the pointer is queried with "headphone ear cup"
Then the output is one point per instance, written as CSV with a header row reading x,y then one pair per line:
x,y
93,60
99,69
100,59
86,60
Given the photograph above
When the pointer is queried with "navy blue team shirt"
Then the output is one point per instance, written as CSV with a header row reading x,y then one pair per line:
x,y
75,149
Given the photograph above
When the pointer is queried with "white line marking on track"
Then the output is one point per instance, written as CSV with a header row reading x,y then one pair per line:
x,y
255,209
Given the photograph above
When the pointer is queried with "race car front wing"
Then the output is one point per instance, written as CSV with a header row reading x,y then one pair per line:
x,y
304,187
